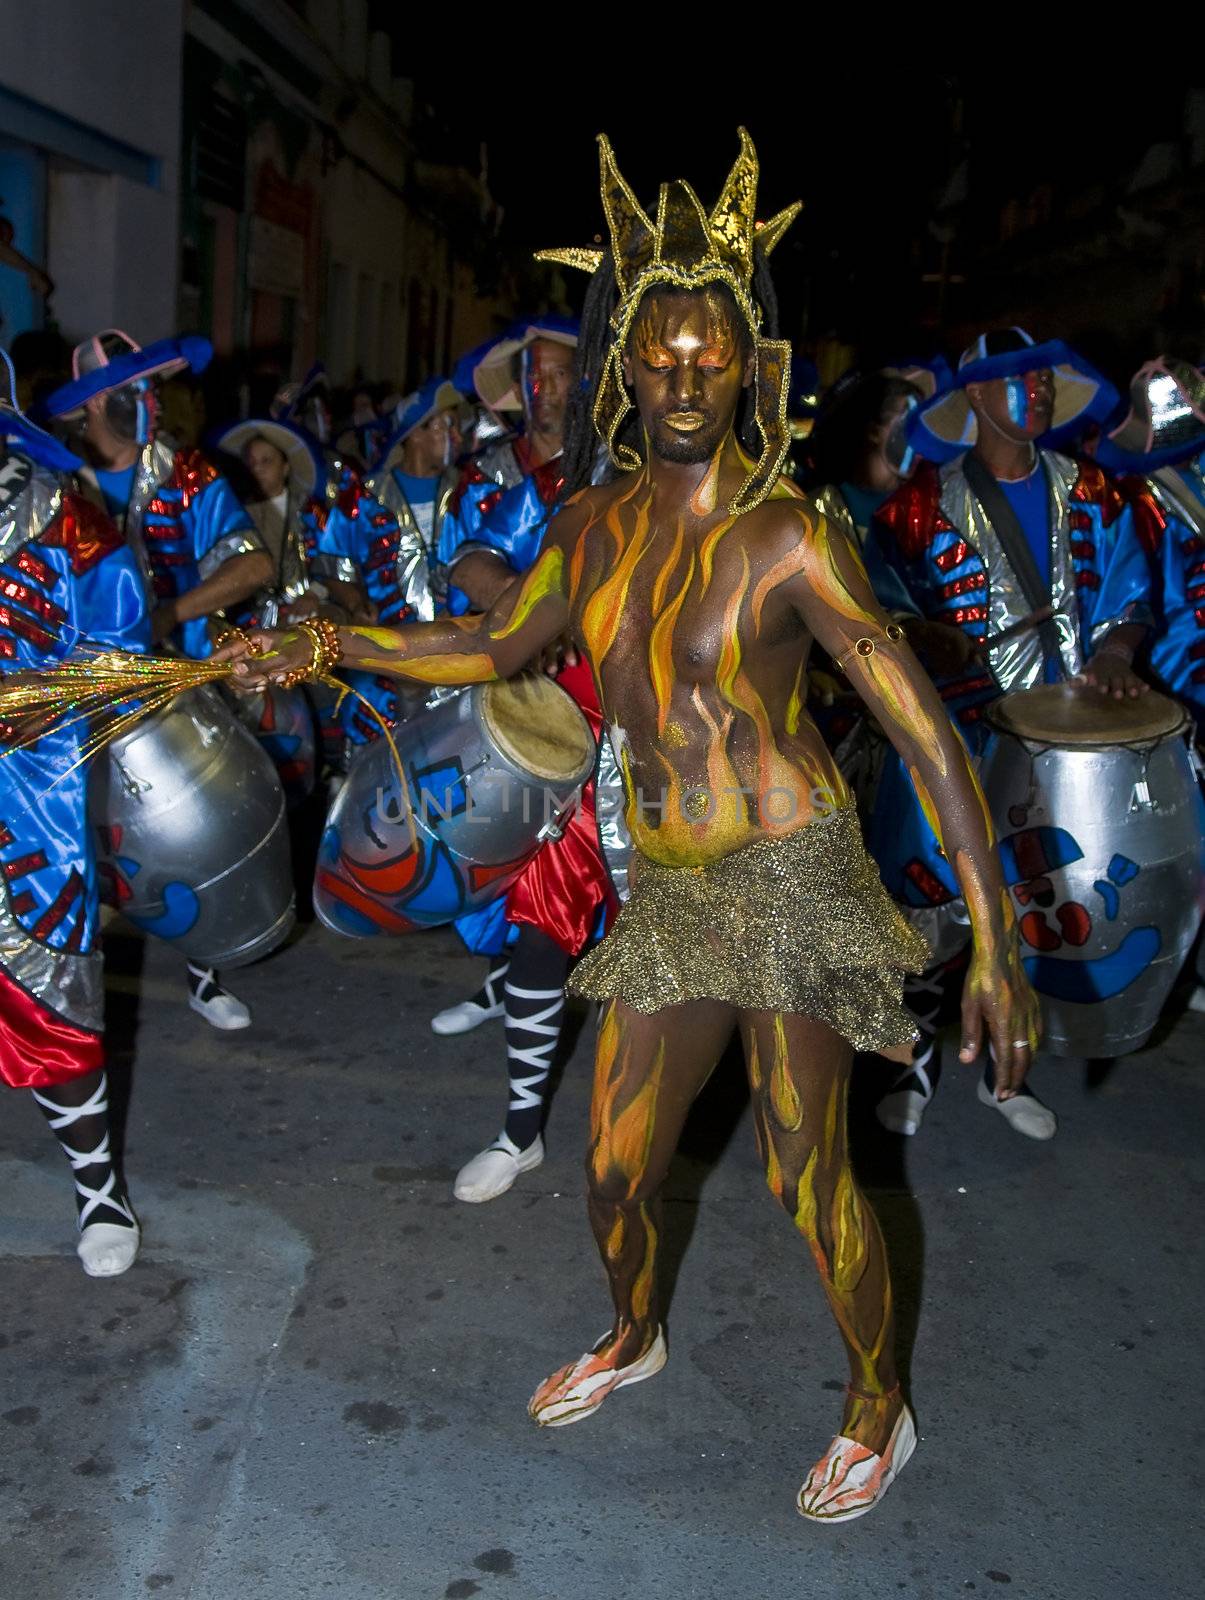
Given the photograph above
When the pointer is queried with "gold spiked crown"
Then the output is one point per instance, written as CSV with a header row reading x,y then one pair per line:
x,y
687,248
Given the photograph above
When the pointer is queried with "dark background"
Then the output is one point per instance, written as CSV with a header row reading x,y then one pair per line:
x,y
934,203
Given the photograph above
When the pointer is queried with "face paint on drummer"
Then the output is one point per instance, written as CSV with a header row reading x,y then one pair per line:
x,y
1022,405
132,411
546,378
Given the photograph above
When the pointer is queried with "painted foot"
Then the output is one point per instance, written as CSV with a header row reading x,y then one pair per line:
x,y
577,1391
849,1480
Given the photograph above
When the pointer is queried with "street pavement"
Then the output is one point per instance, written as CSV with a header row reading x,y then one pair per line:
x,y
314,1380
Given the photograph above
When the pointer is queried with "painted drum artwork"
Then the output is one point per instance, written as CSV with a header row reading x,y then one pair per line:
x,y
1100,821
193,843
488,773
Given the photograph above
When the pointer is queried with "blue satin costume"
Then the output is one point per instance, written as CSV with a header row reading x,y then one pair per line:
x,y
66,577
513,528
361,540
1170,507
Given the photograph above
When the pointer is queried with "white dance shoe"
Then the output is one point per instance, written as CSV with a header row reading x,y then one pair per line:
x,y
493,1172
218,1006
1024,1112
466,1016
106,1251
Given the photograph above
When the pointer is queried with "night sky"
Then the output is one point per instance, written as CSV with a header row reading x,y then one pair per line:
x,y
870,166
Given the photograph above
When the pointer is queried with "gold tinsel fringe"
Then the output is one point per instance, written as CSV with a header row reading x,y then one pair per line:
x,y
111,691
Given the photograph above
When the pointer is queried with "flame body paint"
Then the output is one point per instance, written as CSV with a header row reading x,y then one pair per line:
x,y
717,720
649,1068
889,680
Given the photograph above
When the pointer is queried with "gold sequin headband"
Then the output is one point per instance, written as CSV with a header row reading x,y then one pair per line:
x,y
688,248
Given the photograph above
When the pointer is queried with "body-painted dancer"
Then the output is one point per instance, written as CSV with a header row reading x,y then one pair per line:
x,y
694,585
192,538
68,578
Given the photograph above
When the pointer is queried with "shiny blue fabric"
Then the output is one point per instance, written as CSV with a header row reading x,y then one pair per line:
x,y
189,515
1177,657
62,588
360,531
513,527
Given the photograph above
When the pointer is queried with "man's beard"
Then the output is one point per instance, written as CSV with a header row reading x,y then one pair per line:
x,y
687,449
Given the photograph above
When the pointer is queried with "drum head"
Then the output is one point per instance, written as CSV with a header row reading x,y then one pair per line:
x,y
1077,714
537,727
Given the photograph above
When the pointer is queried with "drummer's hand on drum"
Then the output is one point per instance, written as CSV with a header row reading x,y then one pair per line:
x,y
997,999
1112,673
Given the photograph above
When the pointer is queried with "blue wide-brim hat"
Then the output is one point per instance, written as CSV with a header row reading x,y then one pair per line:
x,y
945,426
437,394
18,431
1165,423
111,359
493,377
307,466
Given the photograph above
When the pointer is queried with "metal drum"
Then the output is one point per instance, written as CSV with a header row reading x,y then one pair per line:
x,y
1100,822
192,837
489,773
282,721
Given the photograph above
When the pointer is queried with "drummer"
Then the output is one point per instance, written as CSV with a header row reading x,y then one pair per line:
x,y
523,378
375,551
1158,450
998,537
284,485
66,573
560,902
195,544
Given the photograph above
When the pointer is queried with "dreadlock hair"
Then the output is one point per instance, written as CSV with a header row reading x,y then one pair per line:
x,y
581,448
593,345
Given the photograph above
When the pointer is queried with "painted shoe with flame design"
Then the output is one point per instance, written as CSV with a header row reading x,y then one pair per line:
x,y
849,1480
577,1391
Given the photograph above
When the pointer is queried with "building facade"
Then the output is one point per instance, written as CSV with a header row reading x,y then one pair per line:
x,y
90,164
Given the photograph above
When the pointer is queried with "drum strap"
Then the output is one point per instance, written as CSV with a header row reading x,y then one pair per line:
x,y
1019,556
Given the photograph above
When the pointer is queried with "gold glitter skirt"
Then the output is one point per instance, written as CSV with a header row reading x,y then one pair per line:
x,y
801,923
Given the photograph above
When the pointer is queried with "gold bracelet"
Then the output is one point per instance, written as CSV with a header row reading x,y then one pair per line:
x,y
332,649
866,645
297,675
236,635
327,652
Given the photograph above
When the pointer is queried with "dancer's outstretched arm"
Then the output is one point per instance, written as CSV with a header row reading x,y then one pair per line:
x,y
831,593
527,616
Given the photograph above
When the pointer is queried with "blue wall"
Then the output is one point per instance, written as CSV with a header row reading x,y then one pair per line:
x,y
23,192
